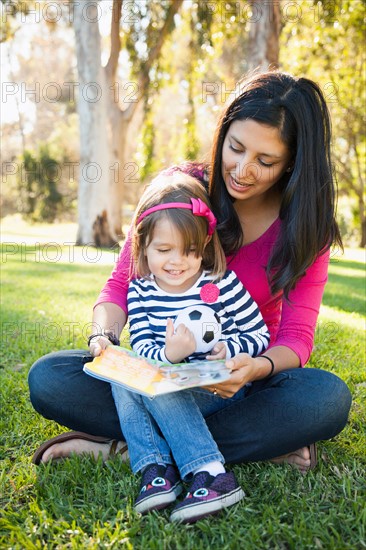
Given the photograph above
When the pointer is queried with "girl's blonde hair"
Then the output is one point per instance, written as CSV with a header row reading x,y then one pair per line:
x,y
177,187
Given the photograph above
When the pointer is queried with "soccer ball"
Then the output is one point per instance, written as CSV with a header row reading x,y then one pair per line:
x,y
205,325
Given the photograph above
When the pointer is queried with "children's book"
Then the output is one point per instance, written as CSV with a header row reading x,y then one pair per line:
x,y
147,377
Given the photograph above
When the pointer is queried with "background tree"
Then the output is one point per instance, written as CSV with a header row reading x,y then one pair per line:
x,y
40,59
264,34
210,45
103,123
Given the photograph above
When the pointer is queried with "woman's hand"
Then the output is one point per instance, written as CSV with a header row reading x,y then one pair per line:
x,y
98,344
244,369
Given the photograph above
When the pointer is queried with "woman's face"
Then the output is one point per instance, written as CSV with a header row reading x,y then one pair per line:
x,y
253,159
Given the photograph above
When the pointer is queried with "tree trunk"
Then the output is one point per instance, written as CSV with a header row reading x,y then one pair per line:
x,y
103,125
264,35
98,215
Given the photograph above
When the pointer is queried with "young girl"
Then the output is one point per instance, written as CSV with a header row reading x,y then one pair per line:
x,y
181,265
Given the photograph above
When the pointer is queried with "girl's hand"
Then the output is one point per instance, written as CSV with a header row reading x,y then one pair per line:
x,y
180,343
218,352
243,368
97,345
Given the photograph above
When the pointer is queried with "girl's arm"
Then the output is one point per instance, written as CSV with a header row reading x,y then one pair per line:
x,y
143,341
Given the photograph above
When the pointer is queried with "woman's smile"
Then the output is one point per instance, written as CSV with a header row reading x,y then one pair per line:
x,y
240,185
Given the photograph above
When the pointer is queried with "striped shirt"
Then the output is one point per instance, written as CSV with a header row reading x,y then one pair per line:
x,y
149,307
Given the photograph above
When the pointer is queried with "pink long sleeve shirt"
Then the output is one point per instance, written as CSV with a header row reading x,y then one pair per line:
x,y
291,324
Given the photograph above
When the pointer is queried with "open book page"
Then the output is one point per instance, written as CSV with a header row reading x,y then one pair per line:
x,y
147,377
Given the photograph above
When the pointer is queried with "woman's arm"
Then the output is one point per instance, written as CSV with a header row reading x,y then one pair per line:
x,y
106,317
115,289
110,309
248,332
300,314
294,341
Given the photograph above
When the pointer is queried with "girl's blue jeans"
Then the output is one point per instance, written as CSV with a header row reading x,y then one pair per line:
x,y
170,428
274,416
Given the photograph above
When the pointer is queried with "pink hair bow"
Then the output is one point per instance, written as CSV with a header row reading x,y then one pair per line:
x,y
199,208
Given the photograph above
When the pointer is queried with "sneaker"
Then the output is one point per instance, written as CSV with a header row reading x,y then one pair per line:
x,y
207,495
160,486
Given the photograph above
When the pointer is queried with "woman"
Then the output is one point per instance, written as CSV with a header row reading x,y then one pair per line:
x,y
272,190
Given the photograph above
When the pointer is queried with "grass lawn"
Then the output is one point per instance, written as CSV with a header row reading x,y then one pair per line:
x,y
81,503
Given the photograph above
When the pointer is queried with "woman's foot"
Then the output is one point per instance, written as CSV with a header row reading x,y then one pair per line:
x,y
304,459
64,445
78,447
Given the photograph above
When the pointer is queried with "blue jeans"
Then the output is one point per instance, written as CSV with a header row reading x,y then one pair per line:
x,y
167,429
275,416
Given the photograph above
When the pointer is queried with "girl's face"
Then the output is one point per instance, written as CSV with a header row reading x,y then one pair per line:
x,y
253,159
173,271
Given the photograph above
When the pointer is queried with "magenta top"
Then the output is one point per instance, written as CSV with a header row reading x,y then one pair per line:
x,y
291,324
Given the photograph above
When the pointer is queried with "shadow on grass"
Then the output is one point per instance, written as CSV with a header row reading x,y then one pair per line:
x,y
346,291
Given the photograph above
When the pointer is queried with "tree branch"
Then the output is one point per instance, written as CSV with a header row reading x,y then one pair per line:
x,y
345,172
111,67
154,53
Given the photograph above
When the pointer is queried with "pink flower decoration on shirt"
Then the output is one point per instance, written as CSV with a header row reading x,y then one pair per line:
x,y
209,293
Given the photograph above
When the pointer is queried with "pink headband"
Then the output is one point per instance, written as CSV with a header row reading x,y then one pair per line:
x,y
198,207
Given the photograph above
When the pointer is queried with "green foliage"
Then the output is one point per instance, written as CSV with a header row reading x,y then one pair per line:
x,y
39,199
142,28
190,143
9,11
204,24
326,43
81,503
148,164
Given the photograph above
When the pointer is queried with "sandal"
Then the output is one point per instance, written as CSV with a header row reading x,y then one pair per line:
x,y
313,459
67,436
313,456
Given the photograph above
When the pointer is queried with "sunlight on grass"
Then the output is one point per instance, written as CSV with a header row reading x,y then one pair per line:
x,y
353,254
15,229
341,318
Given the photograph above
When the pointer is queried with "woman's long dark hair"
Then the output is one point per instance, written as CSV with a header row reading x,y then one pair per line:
x,y
308,225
